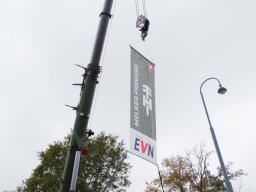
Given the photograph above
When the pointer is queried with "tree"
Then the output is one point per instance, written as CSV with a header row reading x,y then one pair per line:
x,y
191,173
174,175
198,159
103,168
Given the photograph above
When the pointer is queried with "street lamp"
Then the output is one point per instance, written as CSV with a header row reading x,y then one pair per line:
x,y
221,90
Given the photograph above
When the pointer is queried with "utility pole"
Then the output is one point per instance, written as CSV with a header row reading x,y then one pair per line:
x,y
90,79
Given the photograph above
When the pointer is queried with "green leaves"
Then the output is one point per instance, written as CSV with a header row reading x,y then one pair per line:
x,y
104,166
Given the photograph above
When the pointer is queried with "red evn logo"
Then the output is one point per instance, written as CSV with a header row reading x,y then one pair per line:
x,y
144,147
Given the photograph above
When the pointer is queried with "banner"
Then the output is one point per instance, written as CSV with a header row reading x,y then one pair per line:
x,y
142,117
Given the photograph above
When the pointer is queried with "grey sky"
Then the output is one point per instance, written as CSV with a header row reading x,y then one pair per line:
x,y
189,41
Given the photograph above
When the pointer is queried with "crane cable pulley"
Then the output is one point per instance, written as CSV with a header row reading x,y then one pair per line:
x,y
142,21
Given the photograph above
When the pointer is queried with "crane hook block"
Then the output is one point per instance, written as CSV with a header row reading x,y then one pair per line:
x,y
143,25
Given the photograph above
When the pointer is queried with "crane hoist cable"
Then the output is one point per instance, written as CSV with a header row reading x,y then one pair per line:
x,y
137,8
144,8
142,21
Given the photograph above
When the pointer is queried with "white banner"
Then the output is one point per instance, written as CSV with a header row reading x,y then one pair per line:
x,y
142,120
143,146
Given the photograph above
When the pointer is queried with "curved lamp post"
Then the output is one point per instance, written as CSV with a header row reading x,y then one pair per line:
x,y
221,90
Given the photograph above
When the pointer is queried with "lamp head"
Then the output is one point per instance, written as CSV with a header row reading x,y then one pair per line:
x,y
222,90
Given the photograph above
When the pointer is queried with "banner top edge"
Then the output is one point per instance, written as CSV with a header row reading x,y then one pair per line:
x,y
141,55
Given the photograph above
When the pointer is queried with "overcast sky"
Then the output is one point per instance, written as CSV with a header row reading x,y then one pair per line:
x,y
189,41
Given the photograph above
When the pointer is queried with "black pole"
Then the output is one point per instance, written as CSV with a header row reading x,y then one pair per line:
x,y
87,93
161,179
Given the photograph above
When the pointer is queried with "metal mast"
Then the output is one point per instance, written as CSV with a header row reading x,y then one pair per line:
x,y
90,79
221,90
